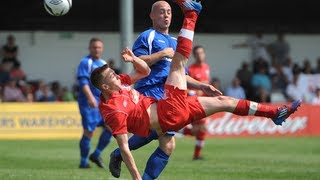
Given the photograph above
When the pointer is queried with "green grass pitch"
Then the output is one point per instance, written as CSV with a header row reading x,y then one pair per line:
x,y
226,158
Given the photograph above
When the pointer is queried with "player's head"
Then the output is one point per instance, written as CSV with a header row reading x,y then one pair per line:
x,y
199,54
96,48
161,16
105,79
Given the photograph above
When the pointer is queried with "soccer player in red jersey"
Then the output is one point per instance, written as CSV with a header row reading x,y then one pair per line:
x,y
200,71
125,110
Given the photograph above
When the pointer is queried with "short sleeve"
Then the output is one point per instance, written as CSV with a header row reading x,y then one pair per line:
x,y
125,79
117,121
83,70
141,46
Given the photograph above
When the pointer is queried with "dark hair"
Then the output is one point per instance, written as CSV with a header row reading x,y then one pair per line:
x,y
16,64
94,39
96,76
195,48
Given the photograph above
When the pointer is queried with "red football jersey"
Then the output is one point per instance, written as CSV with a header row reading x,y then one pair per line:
x,y
126,111
200,72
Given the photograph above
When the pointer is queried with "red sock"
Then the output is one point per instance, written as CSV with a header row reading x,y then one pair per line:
x,y
200,137
187,131
245,107
197,152
185,37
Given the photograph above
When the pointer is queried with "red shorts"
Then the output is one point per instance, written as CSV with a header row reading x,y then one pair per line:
x,y
176,109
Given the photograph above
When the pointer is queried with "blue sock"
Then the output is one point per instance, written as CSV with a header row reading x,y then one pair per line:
x,y
104,140
156,163
135,142
84,149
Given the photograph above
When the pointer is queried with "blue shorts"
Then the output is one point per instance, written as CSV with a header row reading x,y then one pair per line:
x,y
91,118
156,92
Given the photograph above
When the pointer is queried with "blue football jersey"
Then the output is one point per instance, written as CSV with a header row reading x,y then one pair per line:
x,y
86,66
149,42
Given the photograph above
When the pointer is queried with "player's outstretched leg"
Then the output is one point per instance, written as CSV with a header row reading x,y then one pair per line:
x,y
240,107
177,77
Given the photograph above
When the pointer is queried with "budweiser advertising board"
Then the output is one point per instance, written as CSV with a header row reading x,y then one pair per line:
x,y
304,122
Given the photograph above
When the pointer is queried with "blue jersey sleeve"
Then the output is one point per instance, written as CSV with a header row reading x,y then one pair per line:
x,y
83,70
83,74
141,46
82,81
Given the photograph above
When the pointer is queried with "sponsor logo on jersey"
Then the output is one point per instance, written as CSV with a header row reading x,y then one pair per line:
x,y
165,94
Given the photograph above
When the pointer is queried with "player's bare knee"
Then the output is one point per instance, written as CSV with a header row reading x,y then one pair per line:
x,y
167,144
87,133
227,102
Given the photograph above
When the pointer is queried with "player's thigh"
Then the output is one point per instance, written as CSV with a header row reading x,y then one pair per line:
x,y
177,74
167,143
216,104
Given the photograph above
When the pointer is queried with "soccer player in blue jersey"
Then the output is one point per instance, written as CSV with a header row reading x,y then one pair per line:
x,y
88,101
156,47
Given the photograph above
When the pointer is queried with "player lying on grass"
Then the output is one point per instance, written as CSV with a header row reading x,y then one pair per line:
x,y
125,110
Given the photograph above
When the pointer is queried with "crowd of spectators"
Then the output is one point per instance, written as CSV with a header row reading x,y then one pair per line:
x,y
270,76
14,85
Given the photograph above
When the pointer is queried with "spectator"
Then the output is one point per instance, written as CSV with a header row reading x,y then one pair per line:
x,y
12,93
260,63
261,80
56,90
287,70
44,94
262,96
199,70
245,75
47,95
258,47
67,95
316,99
293,92
278,78
296,69
280,49
17,72
10,50
111,64
75,90
4,73
307,69
317,70
235,90
215,82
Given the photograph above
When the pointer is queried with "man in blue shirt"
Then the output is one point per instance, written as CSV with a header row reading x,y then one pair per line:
x,y
156,47
88,101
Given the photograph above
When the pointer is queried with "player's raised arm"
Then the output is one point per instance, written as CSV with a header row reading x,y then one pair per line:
x,y
122,140
141,67
155,57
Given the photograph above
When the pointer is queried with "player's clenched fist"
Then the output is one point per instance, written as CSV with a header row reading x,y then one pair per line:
x,y
168,52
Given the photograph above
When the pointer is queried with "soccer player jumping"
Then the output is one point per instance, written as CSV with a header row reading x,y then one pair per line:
x,y
125,110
